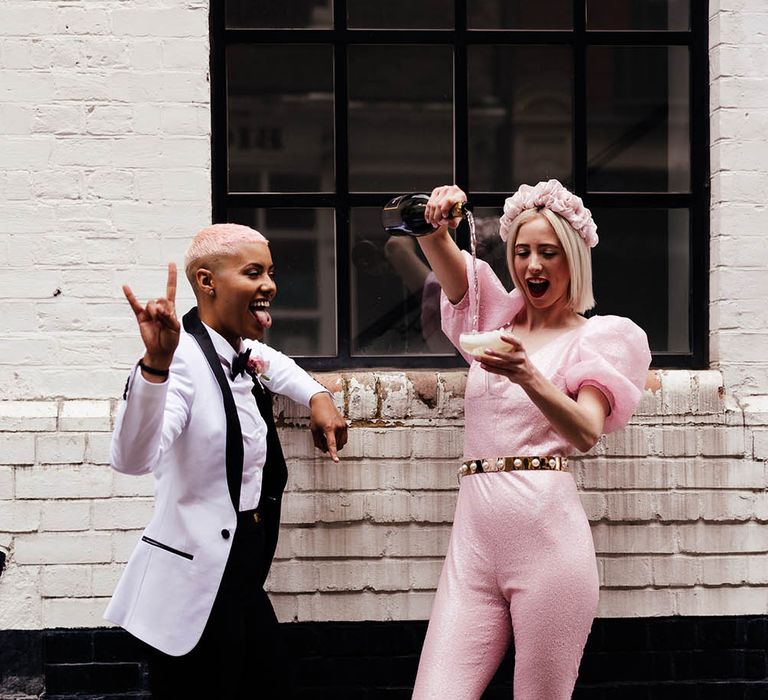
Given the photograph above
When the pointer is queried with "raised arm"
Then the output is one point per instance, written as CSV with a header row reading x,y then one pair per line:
x,y
154,413
440,249
159,328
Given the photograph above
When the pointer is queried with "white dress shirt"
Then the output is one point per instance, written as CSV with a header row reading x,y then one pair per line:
x,y
252,425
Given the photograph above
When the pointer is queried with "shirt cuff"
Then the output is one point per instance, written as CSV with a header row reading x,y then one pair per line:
x,y
141,387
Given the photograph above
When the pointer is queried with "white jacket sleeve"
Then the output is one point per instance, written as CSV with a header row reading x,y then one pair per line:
x,y
150,419
284,376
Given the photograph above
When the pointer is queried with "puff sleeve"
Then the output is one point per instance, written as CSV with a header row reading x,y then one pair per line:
x,y
497,306
612,355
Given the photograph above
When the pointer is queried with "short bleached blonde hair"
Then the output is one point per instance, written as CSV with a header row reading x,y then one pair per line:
x,y
577,253
216,241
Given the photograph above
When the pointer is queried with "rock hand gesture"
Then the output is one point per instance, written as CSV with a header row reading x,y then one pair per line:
x,y
159,329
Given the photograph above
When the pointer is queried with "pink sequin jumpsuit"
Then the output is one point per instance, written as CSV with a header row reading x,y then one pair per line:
x,y
521,561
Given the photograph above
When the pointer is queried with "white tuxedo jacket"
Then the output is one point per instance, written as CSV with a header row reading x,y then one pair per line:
x,y
177,430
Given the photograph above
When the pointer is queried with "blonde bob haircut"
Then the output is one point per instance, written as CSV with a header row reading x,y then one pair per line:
x,y
214,242
577,253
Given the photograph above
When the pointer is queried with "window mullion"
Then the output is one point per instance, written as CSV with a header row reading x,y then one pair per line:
x,y
700,184
580,96
341,141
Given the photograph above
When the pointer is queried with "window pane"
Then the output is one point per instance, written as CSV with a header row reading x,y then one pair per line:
x,y
280,118
520,116
638,14
519,14
303,245
395,299
280,14
637,117
400,118
400,14
641,270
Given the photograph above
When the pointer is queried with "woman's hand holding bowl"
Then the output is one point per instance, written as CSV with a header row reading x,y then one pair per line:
x,y
512,363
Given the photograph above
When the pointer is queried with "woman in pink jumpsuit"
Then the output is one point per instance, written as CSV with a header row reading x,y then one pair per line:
x,y
521,562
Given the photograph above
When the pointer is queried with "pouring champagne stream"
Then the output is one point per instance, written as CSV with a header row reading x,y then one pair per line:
x,y
404,215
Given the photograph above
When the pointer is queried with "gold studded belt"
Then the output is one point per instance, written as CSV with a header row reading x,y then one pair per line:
x,y
509,464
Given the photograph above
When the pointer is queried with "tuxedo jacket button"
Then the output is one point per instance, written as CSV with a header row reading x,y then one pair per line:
x,y
225,534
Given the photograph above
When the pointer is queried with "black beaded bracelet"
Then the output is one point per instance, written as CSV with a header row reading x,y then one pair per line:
x,y
152,370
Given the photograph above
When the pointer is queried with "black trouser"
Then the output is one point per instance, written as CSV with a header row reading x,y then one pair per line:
x,y
237,655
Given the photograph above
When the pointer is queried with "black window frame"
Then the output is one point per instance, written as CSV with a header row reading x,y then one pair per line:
x,y
342,200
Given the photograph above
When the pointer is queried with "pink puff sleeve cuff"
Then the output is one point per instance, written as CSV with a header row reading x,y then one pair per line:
x,y
613,355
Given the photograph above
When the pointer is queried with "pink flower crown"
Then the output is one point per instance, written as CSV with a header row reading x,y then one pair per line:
x,y
556,198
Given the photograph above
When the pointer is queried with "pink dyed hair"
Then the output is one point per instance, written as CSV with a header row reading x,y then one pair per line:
x,y
215,240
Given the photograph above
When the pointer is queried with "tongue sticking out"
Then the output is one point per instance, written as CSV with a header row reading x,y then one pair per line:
x,y
263,317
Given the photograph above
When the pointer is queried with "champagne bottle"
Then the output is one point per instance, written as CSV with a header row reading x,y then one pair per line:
x,y
404,215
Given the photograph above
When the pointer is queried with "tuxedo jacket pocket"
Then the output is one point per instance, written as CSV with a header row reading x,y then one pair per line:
x,y
160,545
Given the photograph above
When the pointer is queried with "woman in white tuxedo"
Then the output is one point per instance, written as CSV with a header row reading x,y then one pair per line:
x,y
197,415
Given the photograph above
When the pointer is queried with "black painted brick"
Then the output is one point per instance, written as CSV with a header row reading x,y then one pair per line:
x,y
94,678
68,646
756,691
637,659
726,633
115,645
716,665
623,635
625,667
21,662
669,634
757,633
143,695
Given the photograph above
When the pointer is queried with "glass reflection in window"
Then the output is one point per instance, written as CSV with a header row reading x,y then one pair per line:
x,y
395,298
641,269
520,116
400,14
400,117
280,118
279,14
519,14
490,247
637,119
638,14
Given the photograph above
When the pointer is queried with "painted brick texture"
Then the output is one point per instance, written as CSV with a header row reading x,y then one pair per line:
x,y
677,502
105,142
738,123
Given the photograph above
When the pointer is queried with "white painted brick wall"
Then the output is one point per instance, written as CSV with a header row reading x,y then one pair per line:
x,y
680,488
678,504
104,131
105,136
739,153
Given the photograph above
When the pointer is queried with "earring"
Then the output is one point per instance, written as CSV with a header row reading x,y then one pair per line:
x,y
212,292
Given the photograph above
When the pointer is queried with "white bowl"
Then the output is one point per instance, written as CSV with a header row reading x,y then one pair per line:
x,y
475,344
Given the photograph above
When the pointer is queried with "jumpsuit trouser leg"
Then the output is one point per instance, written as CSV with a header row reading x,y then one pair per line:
x,y
520,564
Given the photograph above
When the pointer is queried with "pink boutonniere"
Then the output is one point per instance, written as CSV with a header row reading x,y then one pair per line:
x,y
257,368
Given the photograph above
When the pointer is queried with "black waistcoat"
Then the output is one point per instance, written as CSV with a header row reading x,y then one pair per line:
x,y
275,472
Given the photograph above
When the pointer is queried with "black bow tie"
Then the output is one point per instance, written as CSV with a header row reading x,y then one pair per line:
x,y
240,363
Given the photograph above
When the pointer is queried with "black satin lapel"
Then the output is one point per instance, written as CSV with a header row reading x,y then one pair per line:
x,y
275,472
274,477
234,457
